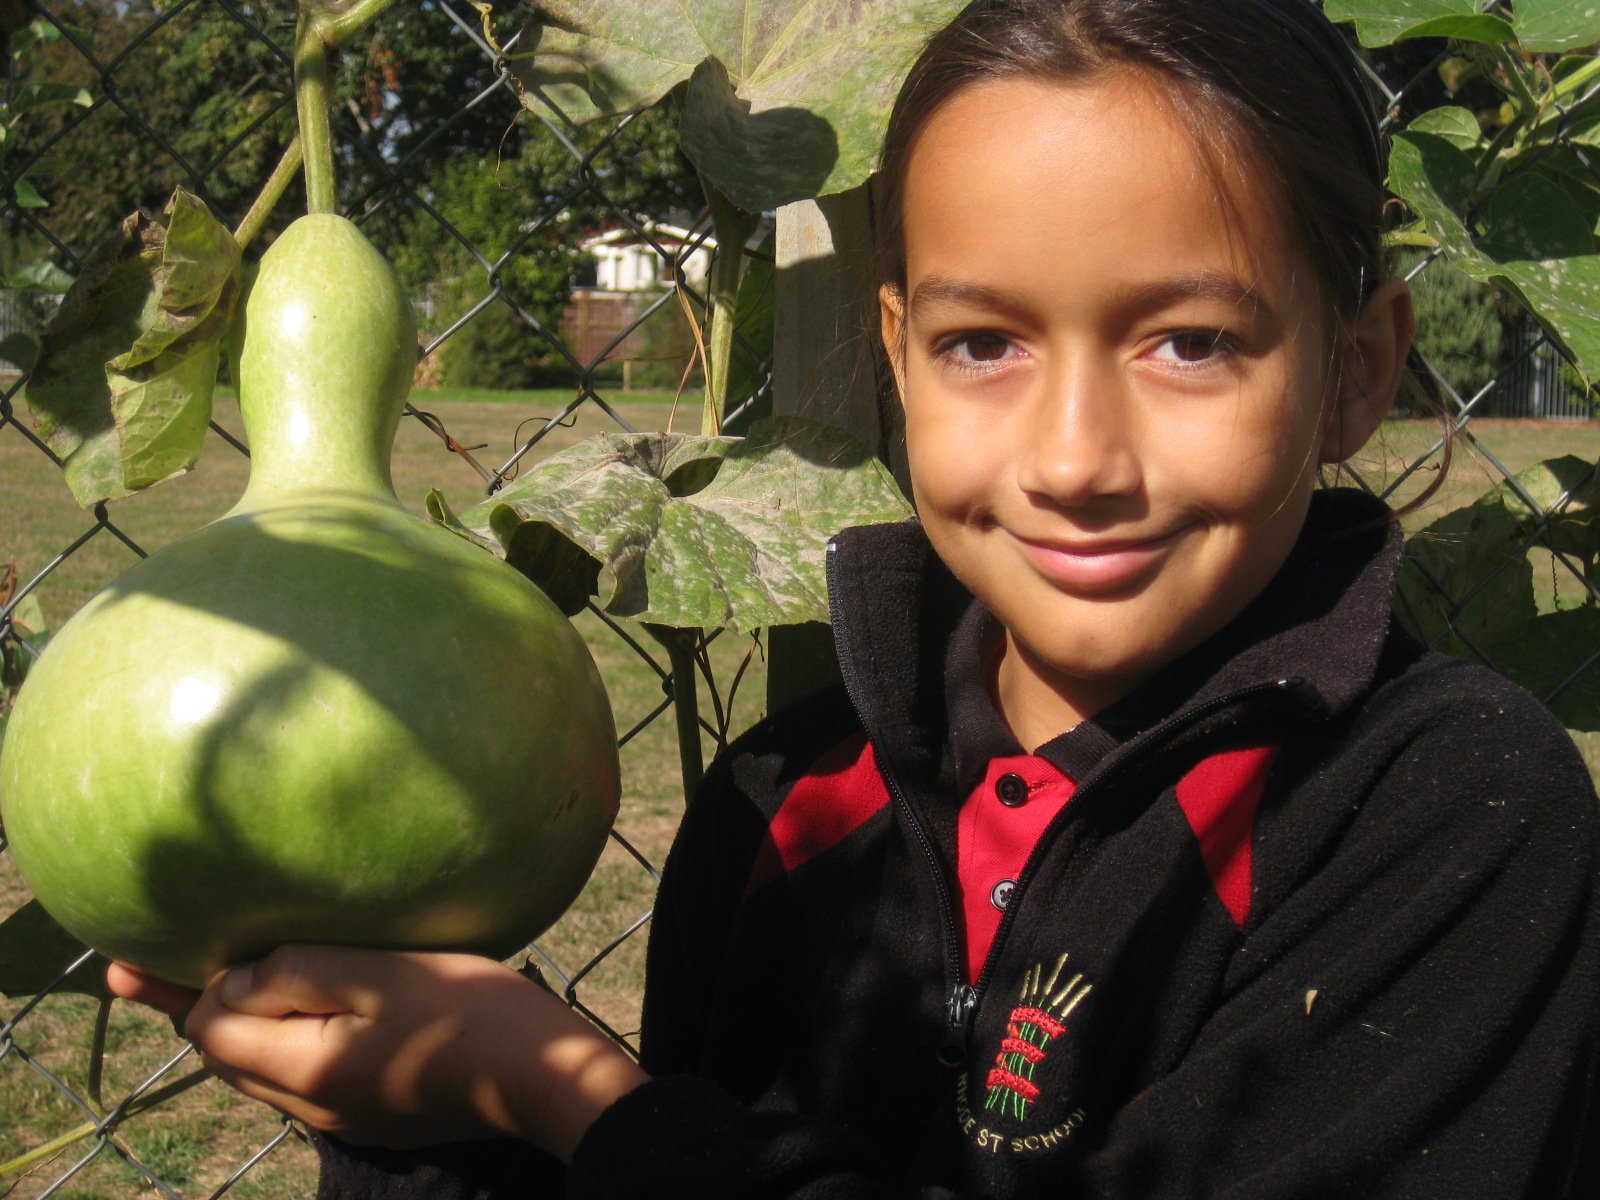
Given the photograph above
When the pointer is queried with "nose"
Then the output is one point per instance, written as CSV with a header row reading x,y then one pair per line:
x,y
1079,442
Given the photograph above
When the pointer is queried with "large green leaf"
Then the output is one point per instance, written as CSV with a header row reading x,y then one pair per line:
x,y
1467,584
1456,125
1384,22
783,99
1548,655
1567,493
122,386
1567,167
1467,581
34,950
1533,235
1551,26
692,532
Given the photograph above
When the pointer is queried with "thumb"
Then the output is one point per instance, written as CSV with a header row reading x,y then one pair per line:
x,y
293,979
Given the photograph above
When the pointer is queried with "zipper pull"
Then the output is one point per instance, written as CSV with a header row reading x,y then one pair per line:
x,y
959,1006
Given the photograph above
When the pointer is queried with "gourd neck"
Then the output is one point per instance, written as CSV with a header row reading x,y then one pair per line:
x,y
325,346
306,439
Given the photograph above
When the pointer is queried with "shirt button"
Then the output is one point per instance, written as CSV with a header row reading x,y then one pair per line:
x,y
1012,790
1000,894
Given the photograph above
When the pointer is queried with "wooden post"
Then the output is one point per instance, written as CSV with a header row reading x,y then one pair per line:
x,y
824,368
826,319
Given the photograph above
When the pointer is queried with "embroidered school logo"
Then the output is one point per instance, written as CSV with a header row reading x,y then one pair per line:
x,y
1038,1019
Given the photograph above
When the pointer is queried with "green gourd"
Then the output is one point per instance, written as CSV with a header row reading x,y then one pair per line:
x,y
319,718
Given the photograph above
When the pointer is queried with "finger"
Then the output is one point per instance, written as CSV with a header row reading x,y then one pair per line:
x,y
290,1051
394,1131
130,983
305,979
268,1092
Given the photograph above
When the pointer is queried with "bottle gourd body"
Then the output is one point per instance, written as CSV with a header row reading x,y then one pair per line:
x,y
319,718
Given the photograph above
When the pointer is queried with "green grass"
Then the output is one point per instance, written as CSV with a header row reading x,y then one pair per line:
x,y
1471,472
198,1140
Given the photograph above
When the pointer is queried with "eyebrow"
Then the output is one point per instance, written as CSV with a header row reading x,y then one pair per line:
x,y
937,290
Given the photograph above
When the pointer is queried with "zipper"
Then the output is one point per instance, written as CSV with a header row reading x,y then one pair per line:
x,y
962,999
960,1005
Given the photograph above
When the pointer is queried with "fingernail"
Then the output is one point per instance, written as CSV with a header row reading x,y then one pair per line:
x,y
236,984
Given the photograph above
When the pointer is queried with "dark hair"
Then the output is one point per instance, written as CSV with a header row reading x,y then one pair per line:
x,y
1267,84
1235,77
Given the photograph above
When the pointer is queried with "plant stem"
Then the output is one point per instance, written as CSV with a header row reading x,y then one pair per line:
x,y
97,1052
341,22
311,93
733,228
1516,77
1411,237
679,645
1554,115
322,28
261,208
1577,80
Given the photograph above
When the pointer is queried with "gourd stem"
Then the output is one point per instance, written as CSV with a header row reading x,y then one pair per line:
x,y
269,196
311,90
323,28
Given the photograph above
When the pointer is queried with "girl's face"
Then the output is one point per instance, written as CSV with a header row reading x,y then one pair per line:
x,y
1115,382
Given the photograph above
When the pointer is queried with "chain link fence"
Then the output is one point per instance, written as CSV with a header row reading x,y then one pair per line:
x,y
100,1100
1510,398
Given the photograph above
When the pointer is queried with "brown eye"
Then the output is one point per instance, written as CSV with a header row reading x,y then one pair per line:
x,y
977,351
986,347
1194,346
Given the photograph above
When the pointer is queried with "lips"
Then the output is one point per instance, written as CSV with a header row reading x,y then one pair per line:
x,y
1100,566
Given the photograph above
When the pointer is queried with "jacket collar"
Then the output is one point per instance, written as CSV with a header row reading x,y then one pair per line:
x,y
1321,622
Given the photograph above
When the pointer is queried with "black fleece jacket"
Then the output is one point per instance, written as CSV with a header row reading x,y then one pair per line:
x,y
1320,919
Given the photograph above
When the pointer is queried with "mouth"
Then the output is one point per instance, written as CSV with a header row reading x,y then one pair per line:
x,y
1099,566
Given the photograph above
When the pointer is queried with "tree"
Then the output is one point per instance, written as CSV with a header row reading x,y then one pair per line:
x,y
518,220
196,98
463,194
1460,327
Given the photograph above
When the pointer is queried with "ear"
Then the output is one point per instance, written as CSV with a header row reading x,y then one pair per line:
x,y
892,328
1379,346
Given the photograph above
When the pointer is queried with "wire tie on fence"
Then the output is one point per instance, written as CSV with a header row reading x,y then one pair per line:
x,y
514,467
436,426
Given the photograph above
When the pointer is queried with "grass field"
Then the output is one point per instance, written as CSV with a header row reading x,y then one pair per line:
x,y
195,1142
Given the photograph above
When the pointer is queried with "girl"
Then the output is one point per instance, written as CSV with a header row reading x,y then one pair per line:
x,y
1147,858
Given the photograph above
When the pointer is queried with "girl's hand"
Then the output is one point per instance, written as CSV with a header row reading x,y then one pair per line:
x,y
404,1049
133,984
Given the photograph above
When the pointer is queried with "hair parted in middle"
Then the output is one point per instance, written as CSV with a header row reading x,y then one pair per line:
x,y
1255,93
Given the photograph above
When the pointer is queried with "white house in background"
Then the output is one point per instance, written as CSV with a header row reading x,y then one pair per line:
x,y
626,262
631,271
